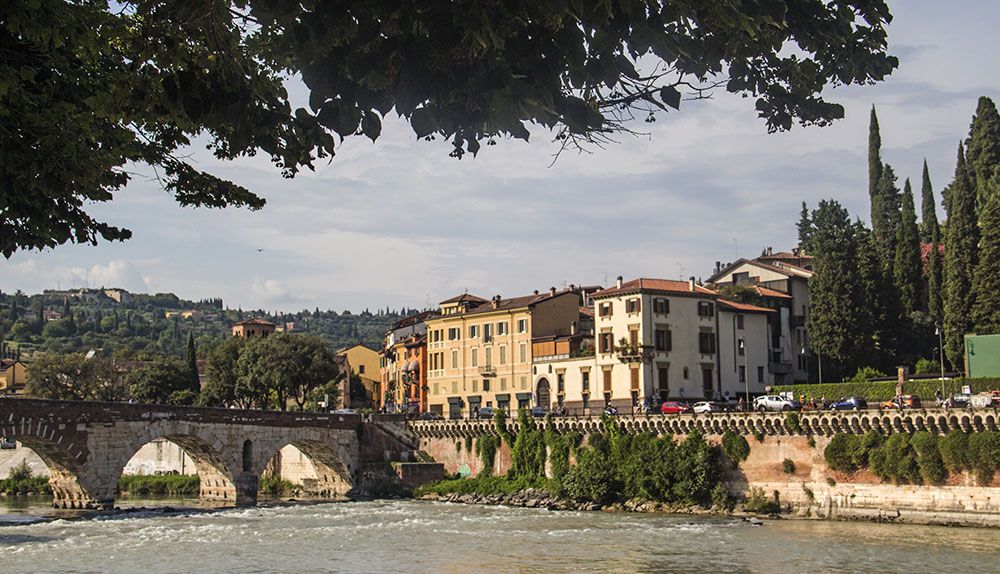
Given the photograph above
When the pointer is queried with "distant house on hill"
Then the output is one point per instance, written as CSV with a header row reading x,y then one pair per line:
x,y
253,328
13,376
362,362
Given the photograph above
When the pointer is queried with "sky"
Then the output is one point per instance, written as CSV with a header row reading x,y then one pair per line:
x,y
399,223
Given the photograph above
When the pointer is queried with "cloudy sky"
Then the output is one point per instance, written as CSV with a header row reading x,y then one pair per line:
x,y
399,223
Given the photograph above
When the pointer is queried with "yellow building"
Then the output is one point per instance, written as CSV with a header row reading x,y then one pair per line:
x,y
363,363
479,351
13,376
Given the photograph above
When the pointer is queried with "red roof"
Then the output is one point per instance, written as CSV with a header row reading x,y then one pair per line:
x,y
765,292
660,285
742,307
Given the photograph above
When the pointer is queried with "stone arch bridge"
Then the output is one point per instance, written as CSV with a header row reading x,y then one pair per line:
x,y
820,423
86,445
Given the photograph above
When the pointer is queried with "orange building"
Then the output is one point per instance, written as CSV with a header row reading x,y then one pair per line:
x,y
253,328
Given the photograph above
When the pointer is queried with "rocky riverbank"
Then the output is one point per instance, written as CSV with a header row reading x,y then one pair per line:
x,y
538,498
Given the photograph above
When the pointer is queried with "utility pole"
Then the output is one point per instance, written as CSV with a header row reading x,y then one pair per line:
x,y
746,369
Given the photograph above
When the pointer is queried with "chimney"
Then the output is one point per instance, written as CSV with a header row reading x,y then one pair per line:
x,y
572,287
536,291
691,284
552,291
718,266
496,301
618,283
770,250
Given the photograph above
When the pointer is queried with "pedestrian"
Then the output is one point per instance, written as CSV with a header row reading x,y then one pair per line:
x,y
739,405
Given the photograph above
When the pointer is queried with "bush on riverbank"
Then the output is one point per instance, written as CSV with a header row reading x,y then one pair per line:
x,y
21,481
159,485
275,486
921,458
613,467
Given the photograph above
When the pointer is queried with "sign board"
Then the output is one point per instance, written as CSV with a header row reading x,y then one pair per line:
x,y
966,389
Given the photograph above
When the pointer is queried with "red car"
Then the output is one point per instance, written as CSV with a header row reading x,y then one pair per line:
x,y
674,408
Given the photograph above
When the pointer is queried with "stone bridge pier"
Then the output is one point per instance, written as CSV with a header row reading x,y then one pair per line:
x,y
86,445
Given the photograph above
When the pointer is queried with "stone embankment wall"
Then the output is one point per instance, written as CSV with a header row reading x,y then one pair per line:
x,y
812,490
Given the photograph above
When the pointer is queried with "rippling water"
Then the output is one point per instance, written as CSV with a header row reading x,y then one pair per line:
x,y
416,536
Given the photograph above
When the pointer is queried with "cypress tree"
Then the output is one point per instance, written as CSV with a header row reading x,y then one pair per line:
x,y
928,212
906,265
986,282
885,217
935,283
834,289
874,160
960,258
192,364
983,148
805,230
878,315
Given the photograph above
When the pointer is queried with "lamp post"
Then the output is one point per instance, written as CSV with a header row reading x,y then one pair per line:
x,y
746,371
940,333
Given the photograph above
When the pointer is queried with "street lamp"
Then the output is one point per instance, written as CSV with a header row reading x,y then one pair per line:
x,y
940,333
746,371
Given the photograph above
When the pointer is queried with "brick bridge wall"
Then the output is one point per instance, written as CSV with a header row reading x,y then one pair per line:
x,y
812,487
86,445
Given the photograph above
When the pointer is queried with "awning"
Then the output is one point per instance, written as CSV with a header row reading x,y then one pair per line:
x,y
475,400
523,396
455,400
505,398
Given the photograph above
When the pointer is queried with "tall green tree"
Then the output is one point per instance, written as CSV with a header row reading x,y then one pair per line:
x,y
161,380
834,290
221,375
805,230
928,211
874,161
192,364
90,87
885,217
877,312
907,267
986,283
74,377
983,147
935,279
960,257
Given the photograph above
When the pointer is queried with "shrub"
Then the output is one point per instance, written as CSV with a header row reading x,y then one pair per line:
x,y
865,374
788,466
883,390
592,479
895,460
159,485
870,441
830,482
793,423
841,453
758,435
20,471
757,502
932,470
468,444
721,498
984,452
20,480
811,442
735,446
926,367
275,486
954,449
486,448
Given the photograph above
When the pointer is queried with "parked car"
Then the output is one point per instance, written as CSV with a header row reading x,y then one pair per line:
x,y
610,411
707,407
849,404
775,403
485,413
344,412
538,411
429,416
904,402
674,408
960,401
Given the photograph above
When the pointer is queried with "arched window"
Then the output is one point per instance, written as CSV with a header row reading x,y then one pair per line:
x,y
247,455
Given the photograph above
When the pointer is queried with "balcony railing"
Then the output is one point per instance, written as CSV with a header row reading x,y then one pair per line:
x,y
628,353
487,371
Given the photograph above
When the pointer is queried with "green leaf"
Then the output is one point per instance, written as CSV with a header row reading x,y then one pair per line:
x,y
423,122
371,125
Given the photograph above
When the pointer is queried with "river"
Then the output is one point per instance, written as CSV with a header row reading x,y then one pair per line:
x,y
419,536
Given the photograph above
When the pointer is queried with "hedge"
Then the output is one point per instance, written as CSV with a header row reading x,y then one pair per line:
x,y
885,390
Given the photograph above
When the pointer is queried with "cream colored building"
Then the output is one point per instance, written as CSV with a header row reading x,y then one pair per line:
x,y
479,351
744,333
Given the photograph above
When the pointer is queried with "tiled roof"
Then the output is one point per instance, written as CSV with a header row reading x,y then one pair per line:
x,y
253,321
414,319
766,292
660,285
512,303
587,312
742,307
781,267
464,298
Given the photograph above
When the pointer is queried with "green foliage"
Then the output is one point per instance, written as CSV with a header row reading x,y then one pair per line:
x,y
159,381
793,423
960,258
159,485
736,448
276,487
21,481
831,482
926,367
481,484
983,148
527,454
758,503
884,390
928,208
986,280
955,455
907,268
984,454
20,471
468,443
757,435
721,498
788,466
865,374
281,368
593,479
840,453
74,377
895,460
811,442
486,448
932,469
134,86
740,293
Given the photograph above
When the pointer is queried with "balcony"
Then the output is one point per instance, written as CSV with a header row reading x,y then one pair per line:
x,y
487,371
628,353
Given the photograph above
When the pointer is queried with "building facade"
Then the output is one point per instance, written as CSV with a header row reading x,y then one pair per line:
x,y
13,376
253,328
362,387
479,351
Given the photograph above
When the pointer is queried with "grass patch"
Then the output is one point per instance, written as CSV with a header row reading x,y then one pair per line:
x,y
159,485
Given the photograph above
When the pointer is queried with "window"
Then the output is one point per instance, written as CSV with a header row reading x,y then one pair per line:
x,y
524,382
634,378
453,333
686,373
606,309
361,369
522,353
437,388
632,305
473,331
760,375
475,386
663,340
661,306
743,374
454,387
706,343
633,337
503,384
503,355
606,343
739,321
586,400
560,382
585,377
488,332
489,356
454,358
486,385
741,347
475,357
502,328
706,309
607,381
522,325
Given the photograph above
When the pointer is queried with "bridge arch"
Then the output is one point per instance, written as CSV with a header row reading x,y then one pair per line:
x,y
67,478
323,472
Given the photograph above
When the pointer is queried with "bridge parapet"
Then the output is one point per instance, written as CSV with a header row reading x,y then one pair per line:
x,y
820,423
